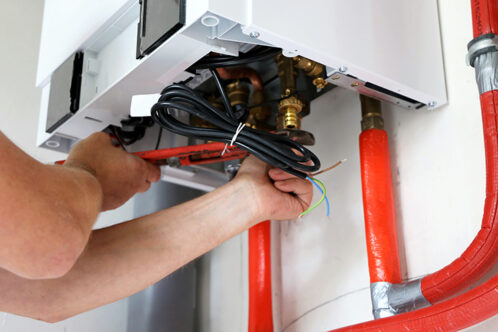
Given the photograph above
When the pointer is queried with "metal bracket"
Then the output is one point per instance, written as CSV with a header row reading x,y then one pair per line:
x,y
337,77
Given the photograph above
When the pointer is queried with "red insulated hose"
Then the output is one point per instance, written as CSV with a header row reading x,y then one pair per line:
x,y
482,253
481,302
378,207
260,293
485,17
456,314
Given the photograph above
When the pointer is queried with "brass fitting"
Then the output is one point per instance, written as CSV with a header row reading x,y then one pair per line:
x,y
310,67
320,83
287,74
261,113
238,93
371,113
258,115
289,117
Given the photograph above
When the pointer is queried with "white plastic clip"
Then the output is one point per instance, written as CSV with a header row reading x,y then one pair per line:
x,y
234,138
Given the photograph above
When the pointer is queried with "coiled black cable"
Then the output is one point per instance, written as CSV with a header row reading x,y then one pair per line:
x,y
258,54
276,150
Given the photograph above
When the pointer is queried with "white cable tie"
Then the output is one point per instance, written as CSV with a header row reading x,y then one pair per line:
x,y
234,138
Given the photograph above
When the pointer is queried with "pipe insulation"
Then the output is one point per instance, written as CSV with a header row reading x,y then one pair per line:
x,y
378,207
456,314
482,253
481,302
260,287
485,17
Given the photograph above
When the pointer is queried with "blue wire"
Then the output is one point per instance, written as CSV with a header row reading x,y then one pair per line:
x,y
321,191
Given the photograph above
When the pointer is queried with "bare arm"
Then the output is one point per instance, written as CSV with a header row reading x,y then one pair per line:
x,y
47,212
126,258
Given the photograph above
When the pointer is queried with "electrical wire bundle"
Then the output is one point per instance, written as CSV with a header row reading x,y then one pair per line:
x,y
219,61
276,150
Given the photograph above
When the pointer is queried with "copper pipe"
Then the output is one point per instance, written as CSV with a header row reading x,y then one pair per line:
x,y
239,73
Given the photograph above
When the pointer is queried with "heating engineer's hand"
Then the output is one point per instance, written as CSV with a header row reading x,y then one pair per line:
x,y
120,174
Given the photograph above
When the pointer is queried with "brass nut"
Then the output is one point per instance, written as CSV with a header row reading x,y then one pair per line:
x,y
289,117
291,102
374,122
319,82
238,93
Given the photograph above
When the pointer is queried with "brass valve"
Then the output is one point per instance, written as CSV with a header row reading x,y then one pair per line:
x,y
287,74
289,117
258,115
238,93
312,69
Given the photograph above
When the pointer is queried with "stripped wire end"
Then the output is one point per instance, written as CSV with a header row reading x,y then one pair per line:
x,y
321,187
330,168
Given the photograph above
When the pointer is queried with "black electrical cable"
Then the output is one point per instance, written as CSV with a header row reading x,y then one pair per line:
x,y
118,138
224,97
270,80
159,136
258,54
276,150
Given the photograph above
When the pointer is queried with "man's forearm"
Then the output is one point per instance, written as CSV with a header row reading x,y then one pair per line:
x,y
46,215
128,257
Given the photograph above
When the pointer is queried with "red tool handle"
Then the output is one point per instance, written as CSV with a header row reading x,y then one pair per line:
x,y
190,155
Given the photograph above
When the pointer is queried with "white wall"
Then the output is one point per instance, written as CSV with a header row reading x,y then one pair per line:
x,y
20,27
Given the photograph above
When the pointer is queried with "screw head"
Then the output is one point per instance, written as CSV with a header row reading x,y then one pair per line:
x,y
254,34
343,69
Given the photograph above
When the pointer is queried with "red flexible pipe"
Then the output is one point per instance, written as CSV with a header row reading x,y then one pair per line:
x,y
238,73
485,17
378,207
458,313
481,302
260,294
482,253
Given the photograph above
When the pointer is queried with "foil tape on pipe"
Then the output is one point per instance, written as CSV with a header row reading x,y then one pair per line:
x,y
392,299
486,66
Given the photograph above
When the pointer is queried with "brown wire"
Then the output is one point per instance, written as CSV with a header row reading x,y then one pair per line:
x,y
329,168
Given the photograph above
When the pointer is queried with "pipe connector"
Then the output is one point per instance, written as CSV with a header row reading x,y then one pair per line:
x,y
483,44
371,114
289,117
392,299
486,66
